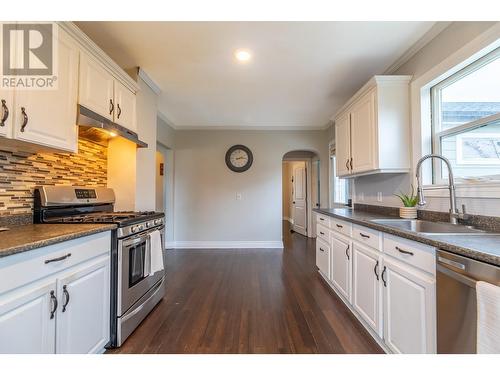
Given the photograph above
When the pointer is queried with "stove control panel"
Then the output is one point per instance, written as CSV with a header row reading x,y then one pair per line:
x,y
85,194
137,228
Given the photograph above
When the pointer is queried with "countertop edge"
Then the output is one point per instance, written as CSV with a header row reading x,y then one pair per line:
x,y
56,239
441,245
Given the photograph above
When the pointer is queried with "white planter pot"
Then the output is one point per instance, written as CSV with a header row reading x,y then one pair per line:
x,y
408,212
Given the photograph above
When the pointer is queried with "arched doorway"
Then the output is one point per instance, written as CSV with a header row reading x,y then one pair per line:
x,y
301,190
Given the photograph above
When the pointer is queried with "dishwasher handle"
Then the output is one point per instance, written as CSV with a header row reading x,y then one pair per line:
x,y
443,267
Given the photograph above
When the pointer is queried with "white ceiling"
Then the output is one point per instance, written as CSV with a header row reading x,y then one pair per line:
x,y
300,75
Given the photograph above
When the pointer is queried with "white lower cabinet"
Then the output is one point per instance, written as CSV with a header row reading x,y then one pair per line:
x,y
409,309
56,299
323,257
83,319
26,323
341,265
394,298
367,289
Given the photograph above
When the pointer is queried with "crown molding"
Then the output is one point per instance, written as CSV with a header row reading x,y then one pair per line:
x,y
253,128
148,81
91,48
434,31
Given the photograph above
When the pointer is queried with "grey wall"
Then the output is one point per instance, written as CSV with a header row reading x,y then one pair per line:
x,y
206,208
446,43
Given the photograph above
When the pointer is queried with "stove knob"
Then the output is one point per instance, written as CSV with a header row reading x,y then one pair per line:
x,y
157,221
133,229
141,227
148,224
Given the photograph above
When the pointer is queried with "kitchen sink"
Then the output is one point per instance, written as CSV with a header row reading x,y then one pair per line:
x,y
430,227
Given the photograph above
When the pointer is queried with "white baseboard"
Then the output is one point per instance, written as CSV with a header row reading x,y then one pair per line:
x,y
225,245
289,219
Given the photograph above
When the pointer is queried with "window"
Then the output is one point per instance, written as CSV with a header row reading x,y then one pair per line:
x,y
466,121
339,188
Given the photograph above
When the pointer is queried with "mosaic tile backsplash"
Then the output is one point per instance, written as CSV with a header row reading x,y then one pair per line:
x,y
20,172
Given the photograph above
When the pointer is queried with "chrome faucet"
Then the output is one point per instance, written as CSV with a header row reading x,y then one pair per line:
x,y
454,214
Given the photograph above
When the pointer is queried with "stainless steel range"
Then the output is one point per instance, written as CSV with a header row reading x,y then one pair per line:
x,y
135,287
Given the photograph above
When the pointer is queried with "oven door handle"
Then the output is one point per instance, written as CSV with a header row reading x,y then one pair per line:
x,y
133,241
147,258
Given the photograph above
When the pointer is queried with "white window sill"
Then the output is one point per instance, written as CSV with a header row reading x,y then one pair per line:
x,y
482,190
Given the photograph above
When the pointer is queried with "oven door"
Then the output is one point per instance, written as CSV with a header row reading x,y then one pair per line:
x,y
134,279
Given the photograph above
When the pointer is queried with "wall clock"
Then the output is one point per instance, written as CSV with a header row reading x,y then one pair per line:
x,y
239,158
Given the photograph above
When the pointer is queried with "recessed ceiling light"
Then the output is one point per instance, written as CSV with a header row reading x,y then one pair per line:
x,y
243,55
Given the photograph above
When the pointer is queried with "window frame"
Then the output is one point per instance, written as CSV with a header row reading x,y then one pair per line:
x,y
435,111
332,193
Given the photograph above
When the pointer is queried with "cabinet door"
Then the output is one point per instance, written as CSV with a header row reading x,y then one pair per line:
x,y
323,257
96,87
83,314
125,111
6,111
364,134
409,309
367,287
341,265
26,325
51,114
343,145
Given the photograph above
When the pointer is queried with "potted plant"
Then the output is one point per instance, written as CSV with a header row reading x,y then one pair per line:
x,y
409,209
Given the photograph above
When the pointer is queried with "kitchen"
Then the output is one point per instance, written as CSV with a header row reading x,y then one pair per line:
x,y
141,198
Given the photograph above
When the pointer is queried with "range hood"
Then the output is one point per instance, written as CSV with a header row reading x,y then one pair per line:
x,y
99,129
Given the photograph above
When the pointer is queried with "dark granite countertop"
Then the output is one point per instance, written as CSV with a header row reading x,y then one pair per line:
x,y
485,248
23,238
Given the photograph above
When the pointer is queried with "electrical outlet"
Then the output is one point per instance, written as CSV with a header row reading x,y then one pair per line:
x,y
238,196
379,196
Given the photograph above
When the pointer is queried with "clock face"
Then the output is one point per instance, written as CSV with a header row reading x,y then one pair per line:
x,y
239,158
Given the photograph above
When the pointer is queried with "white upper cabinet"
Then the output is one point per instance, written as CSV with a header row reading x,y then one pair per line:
x,y
125,111
102,93
96,87
48,117
372,131
6,105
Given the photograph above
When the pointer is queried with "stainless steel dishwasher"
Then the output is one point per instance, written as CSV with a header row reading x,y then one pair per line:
x,y
456,300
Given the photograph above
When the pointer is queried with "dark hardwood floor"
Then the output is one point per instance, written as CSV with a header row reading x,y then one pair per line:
x,y
249,301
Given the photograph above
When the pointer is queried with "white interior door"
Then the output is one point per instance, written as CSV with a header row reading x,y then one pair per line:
x,y
299,198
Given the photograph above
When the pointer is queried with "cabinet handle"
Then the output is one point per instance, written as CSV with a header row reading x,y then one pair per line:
x,y
403,251
347,164
111,106
66,296
364,235
347,252
5,111
383,273
322,219
339,226
375,270
351,164
53,300
321,249
25,118
119,109
58,259
321,233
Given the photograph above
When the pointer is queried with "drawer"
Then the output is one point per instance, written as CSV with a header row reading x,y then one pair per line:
x,y
323,233
341,226
368,236
23,268
323,257
411,252
323,220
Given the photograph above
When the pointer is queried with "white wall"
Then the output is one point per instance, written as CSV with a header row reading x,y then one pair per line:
x,y
206,208
147,110
442,46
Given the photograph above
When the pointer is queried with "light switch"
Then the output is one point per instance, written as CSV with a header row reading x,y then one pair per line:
x,y
238,196
379,196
